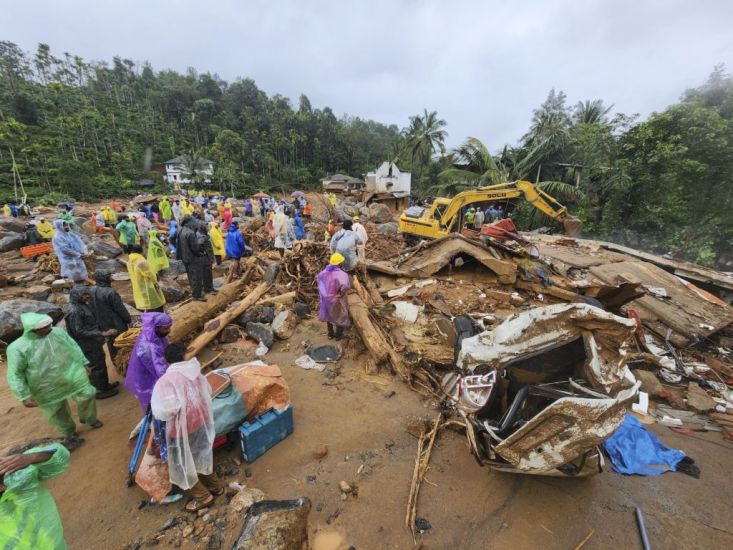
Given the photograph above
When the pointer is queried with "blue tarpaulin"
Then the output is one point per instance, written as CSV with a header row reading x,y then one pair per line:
x,y
634,450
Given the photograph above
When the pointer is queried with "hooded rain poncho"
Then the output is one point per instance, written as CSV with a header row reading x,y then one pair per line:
x,y
217,240
182,399
299,230
147,363
235,243
50,368
157,258
283,229
333,283
28,514
165,209
45,229
128,232
69,249
145,289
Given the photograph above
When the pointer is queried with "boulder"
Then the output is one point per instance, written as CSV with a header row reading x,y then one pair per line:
x,y
275,524
219,282
365,214
351,211
10,310
39,293
12,225
261,333
12,241
256,314
302,310
284,324
271,273
244,499
380,213
108,265
229,334
390,227
341,215
79,224
176,267
103,248
172,291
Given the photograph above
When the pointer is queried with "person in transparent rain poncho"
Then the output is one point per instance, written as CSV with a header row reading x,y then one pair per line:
x,y
333,285
70,251
182,399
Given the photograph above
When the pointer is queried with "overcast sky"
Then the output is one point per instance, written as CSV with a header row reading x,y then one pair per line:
x,y
483,65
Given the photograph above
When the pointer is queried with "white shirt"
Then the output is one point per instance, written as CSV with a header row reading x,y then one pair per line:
x,y
361,231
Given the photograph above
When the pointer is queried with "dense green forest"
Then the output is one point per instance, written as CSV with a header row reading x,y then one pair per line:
x,y
72,128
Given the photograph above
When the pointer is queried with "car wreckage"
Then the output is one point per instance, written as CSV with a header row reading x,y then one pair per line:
x,y
542,391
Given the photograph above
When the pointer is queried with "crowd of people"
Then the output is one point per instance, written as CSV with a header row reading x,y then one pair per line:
x,y
49,366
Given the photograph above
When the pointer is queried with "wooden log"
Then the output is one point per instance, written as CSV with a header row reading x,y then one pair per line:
x,y
373,292
287,298
371,337
356,285
216,325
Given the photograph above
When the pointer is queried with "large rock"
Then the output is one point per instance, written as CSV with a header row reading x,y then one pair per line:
x,y
380,213
12,241
103,248
242,501
108,265
10,310
390,227
284,324
261,333
256,314
365,214
275,524
271,273
176,267
351,211
12,225
39,293
172,291
302,310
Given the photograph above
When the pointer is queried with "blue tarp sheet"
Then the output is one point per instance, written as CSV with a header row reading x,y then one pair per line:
x,y
634,450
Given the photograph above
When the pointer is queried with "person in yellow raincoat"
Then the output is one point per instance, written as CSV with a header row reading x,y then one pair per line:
x,y
157,257
110,216
6,211
45,229
145,289
165,209
217,242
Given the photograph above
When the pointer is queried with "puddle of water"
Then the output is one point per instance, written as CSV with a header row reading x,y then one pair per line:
x,y
328,540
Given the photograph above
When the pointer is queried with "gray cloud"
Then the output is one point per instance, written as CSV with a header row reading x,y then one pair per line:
x,y
482,65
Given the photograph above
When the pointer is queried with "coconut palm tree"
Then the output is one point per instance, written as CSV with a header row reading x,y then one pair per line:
x,y
425,137
591,112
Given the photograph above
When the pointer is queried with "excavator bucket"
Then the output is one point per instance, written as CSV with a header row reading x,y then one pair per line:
x,y
572,226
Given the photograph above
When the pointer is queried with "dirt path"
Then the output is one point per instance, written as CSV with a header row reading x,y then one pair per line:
x,y
363,423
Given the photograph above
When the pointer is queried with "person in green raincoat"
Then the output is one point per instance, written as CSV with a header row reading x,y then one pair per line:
x,y
157,257
165,210
46,368
128,233
28,514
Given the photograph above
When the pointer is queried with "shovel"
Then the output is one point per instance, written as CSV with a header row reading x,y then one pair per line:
x,y
141,436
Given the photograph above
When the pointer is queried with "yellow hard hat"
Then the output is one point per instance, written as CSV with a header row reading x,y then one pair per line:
x,y
336,259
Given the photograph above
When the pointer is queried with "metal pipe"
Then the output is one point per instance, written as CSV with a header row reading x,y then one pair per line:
x,y
642,529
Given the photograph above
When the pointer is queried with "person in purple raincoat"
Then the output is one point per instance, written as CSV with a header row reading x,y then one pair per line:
x,y
333,284
147,363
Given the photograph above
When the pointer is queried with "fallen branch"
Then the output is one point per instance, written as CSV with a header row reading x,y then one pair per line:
x,y
216,325
422,463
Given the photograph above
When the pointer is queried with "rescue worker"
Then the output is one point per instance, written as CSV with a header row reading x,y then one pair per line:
x,y
165,210
84,329
478,219
144,226
217,242
29,518
177,211
235,247
299,229
345,242
360,230
45,229
193,257
108,308
46,368
204,239
182,399
157,256
70,251
147,363
333,284
145,289
470,216
283,229
128,233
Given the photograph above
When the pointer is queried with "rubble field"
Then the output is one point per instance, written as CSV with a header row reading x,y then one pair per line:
x,y
463,351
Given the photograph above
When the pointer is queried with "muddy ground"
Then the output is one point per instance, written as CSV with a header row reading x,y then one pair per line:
x,y
362,420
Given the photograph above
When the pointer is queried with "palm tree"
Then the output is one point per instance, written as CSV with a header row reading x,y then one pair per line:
x,y
475,165
426,136
591,112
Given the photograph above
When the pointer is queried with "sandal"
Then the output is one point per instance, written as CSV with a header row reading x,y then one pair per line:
x,y
198,505
219,492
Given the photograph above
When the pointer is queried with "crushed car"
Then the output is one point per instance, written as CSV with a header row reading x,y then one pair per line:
x,y
542,390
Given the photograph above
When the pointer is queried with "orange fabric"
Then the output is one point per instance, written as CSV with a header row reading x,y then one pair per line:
x,y
263,388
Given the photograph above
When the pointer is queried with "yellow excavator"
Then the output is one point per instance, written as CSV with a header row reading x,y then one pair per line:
x,y
446,216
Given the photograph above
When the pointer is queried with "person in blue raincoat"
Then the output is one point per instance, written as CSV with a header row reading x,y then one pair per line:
x,y
299,231
234,246
70,251
172,236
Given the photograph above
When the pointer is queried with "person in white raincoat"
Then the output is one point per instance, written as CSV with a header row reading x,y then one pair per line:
x,y
284,232
182,399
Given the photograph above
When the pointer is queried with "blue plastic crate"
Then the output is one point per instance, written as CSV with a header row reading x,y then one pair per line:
x,y
264,431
